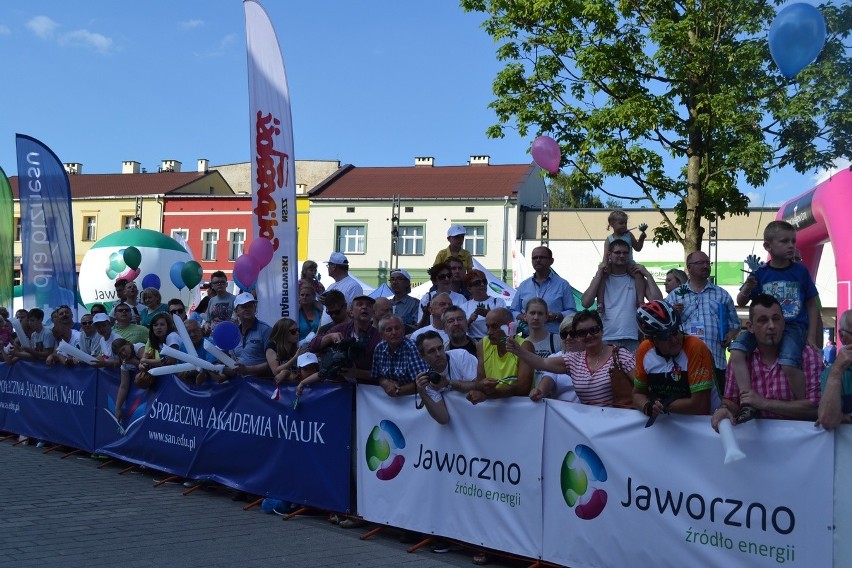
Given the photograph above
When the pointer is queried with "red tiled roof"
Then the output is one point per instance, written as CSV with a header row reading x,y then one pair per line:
x,y
126,185
477,182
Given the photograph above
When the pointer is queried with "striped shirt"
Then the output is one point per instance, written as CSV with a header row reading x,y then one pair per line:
x,y
769,381
595,387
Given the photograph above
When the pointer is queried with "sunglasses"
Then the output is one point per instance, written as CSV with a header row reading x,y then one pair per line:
x,y
120,310
443,276
581,333
86,323
293,331
478,282
177,312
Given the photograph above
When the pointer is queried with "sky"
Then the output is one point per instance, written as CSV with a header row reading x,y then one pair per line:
x,y
371,84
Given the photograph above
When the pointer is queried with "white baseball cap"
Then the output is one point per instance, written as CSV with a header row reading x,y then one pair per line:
x,y
456,230
306,359
244,298
337,258
99,317
402,273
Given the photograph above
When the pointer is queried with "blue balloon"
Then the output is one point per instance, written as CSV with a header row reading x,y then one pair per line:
x,y
226,335
151,281
796,37
269,505
242,286
175,274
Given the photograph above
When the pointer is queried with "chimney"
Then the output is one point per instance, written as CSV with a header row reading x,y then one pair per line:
x,y
301,189
130,167
170,166
479,160
424,161
73,168
202,165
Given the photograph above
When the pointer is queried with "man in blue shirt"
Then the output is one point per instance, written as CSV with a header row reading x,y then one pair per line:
x,y
250,352
396,361
549,286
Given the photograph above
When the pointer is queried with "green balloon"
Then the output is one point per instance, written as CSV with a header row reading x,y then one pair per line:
x,y
116,262
111,274
132,257
191,274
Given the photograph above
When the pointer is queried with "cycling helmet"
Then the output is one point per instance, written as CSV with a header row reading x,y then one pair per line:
x,y
657,319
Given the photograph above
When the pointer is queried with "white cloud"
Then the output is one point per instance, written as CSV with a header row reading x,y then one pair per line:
x,y
86,38
227,40
822,175
42,26
5,31
191,24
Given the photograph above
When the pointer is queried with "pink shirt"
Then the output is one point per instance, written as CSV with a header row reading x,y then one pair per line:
x,y
769,381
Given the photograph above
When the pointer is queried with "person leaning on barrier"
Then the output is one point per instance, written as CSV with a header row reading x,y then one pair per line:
x,y
674,371
106,337
445,371
835,405
501,371
770,391
63,330
89,341
365,338
250,352
196,336
396,361
124,326
559,386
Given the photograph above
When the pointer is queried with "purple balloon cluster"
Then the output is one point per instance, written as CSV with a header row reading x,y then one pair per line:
x,y
248,266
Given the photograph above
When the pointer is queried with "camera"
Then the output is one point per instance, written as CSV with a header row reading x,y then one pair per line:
x,y
434,377
340,356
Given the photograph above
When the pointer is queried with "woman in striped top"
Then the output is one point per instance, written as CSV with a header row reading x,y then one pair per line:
x,y
589,368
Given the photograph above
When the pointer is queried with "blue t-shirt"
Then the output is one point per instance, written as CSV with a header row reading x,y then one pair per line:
x,y
791,286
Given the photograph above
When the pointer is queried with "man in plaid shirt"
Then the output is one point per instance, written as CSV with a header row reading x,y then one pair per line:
x,y
396,361
770,391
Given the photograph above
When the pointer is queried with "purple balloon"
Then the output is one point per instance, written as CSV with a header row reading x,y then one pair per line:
x,y
546,153
226,335
261,250
246,269
151,281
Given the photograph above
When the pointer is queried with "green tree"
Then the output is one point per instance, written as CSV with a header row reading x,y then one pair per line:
x,y
629,88
564,195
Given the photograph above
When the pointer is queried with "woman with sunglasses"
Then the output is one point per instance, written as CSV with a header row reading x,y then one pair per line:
x,y
559,386
283,349
589,368
310,311
480,302
442,279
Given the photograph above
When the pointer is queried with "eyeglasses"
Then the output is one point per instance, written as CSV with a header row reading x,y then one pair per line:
x,y
581,333
177,312
86,323
666,336
699,263
565,334
541,258
215,282
478,282
120,310
443,276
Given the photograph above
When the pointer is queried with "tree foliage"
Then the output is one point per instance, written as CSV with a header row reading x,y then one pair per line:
x,y
628,88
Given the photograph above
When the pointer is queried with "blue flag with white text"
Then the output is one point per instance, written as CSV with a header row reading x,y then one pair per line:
x,y
48,263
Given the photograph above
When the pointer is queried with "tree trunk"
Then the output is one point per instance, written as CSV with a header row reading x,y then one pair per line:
x,y
693,230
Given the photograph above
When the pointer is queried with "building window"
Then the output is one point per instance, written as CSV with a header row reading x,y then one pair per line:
x,y
17,277
474,239
238,241
351,239
209,240
410,242
128,222
17,229
90,228
182,233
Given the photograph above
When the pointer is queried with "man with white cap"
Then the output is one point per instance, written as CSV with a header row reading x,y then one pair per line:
x,y
338,268
107,335
403,304
455,236
250,352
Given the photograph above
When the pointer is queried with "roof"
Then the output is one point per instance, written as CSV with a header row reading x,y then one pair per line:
x,y
131,185
424,182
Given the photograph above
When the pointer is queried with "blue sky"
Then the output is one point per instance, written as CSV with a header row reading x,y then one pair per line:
x,y
372,83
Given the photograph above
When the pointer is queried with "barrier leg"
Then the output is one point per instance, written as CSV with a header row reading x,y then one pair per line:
x,y
68,454
254,503
372,532
166,479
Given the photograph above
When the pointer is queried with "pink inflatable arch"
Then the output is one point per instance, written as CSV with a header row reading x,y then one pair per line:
x,y
820,215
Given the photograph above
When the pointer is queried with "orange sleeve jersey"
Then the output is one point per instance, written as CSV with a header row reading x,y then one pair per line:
x,y
690,371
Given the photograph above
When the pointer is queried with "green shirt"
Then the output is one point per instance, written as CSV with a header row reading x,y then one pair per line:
x,y
845,388
133,333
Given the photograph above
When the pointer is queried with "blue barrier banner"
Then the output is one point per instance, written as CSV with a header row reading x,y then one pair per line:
x,y
235,433
57,406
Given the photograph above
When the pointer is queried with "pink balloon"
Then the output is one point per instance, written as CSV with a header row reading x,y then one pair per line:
x,y
130,274
246,269
261,250
546,153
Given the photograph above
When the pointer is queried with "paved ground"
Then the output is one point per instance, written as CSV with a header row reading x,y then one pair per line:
x,y
69,513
